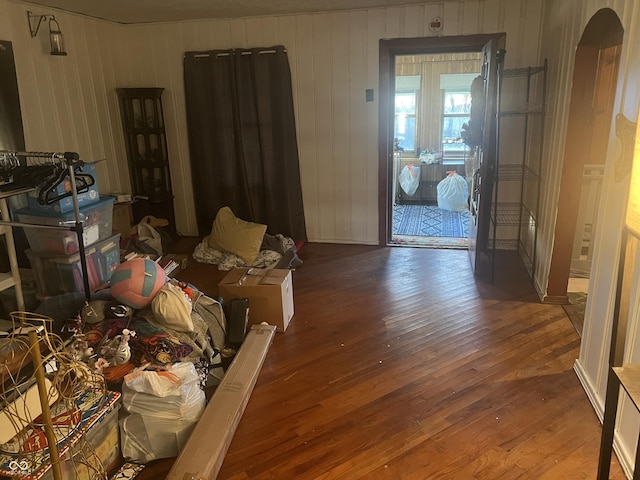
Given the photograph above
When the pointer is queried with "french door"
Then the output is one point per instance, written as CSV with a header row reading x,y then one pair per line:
x,y
484,175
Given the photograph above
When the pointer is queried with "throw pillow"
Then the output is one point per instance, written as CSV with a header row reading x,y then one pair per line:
x,y
237,236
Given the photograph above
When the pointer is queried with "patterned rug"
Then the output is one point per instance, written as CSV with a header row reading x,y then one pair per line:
x,y
429,221
575,309
430,242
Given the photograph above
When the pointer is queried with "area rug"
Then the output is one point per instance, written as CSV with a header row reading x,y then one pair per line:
x,y
429,221
431,242
575,309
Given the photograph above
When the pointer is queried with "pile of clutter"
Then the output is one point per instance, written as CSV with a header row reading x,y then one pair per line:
x,y
150,346
430,157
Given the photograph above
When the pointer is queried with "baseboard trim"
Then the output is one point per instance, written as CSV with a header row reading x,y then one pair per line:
x,y
598,405
555,299
539,290
626,458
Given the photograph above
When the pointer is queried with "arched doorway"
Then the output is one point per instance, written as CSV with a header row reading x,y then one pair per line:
x,y
595,77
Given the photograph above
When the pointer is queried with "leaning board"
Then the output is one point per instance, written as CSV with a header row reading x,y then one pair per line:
x,y
203,454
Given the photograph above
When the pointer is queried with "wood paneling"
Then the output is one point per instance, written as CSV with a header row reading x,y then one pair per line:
x,y
328,164
69,103
336,127
564,23
358,164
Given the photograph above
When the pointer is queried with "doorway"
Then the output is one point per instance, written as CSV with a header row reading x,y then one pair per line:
x,y
485,151
595,77
431,107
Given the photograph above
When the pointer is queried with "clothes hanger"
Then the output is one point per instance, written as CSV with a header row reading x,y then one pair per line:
x,y
47,191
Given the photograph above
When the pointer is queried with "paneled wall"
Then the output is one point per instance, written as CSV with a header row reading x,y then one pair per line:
x,y
334,58
563,26
66,101
69,103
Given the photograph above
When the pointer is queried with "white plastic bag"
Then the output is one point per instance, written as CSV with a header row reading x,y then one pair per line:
x,y
149,235
410,179
453,193
163,383
161,410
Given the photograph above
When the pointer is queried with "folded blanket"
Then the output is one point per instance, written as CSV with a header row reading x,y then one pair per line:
x,y
273,250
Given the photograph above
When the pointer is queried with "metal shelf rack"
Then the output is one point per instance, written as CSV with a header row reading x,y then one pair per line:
x,y
520,215
24,172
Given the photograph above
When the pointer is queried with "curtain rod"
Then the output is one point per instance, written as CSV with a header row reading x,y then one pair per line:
x,y
233,52
438,61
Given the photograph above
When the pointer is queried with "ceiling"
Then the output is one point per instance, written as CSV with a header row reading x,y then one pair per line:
x,y
148,11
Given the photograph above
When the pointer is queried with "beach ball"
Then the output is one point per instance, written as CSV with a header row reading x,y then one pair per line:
x,y
136,281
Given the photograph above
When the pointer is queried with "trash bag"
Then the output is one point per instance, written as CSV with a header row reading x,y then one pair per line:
x,y
151,232
410,179
150,236
453,192
161,408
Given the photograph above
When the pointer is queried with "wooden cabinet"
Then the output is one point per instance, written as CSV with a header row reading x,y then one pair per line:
x,y
146,143
430,175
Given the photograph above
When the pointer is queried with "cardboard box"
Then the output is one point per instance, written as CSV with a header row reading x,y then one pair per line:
x,y
121,197
270,294
122,219
204,452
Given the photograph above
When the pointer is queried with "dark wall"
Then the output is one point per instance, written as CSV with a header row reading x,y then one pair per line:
x,y
11,134
11,137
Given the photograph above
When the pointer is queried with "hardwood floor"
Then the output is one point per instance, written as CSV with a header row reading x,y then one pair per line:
x,y
400,364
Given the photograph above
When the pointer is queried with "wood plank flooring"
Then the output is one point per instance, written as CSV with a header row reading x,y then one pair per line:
x,y
400,364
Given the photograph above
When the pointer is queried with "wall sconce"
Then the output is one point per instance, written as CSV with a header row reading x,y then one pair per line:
x,y
55,35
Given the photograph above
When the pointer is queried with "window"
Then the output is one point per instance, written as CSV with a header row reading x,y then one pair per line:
x,y
405,120
406,101
456,108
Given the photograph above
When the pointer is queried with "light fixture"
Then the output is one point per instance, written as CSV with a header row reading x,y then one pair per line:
x,y
56,38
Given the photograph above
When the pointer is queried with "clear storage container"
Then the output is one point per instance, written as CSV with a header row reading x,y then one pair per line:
x,y
96,452
57,274
97,221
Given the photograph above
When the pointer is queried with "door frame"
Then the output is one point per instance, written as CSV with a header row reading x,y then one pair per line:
x,y
600,48
388,50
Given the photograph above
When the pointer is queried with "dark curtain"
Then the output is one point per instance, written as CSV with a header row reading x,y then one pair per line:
x,y
242,137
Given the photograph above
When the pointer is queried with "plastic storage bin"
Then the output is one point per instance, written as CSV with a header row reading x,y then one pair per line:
x,y
66,204
57,274
88,452
100,454
97,221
